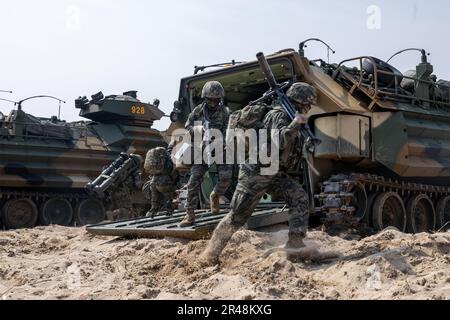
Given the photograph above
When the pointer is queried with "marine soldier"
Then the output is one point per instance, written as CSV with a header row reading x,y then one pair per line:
x,y
161,187
212,114
252,185
121,197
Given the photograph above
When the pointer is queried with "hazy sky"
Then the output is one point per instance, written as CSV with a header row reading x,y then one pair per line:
x,y
70,48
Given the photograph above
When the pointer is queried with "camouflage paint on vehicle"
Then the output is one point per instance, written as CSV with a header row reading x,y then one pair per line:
x,y
43,159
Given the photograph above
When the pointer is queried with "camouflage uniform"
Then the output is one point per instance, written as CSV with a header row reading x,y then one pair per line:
x,y
252,185
121,202
218,119
161,188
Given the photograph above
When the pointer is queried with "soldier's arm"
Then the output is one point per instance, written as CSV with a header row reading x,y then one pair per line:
x,y
289,130
189,126
169,166
146,190
170,148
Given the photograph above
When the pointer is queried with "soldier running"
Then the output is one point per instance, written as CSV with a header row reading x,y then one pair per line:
x,y
252,185
213,112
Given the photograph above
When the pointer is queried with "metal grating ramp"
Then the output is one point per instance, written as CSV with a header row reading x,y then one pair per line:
x,y
162,226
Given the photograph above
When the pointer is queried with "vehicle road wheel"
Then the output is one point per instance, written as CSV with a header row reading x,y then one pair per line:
x,y
19,214
421,214
368,217
360,202
57,211
90,211
443,212
389,211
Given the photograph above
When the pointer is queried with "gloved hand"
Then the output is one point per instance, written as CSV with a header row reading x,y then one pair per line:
x,y
301,119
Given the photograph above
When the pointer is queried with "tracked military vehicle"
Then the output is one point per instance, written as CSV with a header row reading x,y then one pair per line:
x,y
45,164
384,157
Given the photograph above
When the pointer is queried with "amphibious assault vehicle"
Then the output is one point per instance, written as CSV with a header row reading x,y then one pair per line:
x,y
45,164
384,160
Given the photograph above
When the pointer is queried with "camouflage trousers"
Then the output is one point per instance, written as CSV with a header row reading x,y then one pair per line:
x,y
252,187
122,207
163,192
196,179
121,199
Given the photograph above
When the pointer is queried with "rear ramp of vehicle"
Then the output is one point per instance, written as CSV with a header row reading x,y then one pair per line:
x,y
162,226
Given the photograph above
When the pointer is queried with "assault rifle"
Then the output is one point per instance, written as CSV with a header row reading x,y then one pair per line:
x,y
276,93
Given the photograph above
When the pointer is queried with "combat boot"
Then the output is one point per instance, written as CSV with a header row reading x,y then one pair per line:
x,y
215,203
218,242
151,214
169,213
189,220
170,210
295,241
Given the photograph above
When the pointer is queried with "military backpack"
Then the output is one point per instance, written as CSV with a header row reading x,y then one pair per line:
x,y
155,162
251,117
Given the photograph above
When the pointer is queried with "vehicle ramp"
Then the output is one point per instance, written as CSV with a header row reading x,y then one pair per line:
x,y
162,226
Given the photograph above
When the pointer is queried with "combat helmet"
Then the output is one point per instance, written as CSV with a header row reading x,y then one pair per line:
x,y
213,90
302,93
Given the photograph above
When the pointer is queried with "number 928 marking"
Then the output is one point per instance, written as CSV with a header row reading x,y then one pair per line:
x,y
138,110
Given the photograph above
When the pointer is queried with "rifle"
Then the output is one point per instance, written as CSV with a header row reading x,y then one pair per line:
x,y
115,174
276,92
